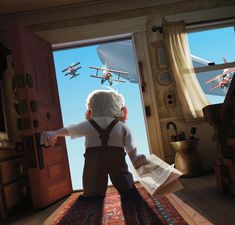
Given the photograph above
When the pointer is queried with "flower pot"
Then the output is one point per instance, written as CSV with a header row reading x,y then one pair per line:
x,y
187,159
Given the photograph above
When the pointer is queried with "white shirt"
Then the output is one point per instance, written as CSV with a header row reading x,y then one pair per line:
x,y
120,135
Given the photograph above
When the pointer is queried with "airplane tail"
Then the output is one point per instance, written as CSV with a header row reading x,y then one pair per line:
x,y
225,61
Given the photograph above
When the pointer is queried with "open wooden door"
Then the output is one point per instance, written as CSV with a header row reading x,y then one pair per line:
x,y
38,107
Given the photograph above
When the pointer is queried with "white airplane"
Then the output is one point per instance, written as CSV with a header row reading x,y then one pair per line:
x,y
119,56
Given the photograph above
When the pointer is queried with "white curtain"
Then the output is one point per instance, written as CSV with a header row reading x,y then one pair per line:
x,y
190,93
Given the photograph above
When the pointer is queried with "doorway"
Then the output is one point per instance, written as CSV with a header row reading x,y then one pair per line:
x,y
116,55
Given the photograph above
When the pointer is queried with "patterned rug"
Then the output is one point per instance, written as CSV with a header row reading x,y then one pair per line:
x,y
140,208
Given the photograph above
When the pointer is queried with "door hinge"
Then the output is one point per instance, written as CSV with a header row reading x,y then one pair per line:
x,y
143,83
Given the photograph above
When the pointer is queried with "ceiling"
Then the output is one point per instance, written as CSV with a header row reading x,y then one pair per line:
x,y
16,6
21,6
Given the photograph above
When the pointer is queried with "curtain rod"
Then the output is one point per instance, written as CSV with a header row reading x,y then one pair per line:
x,y
192,25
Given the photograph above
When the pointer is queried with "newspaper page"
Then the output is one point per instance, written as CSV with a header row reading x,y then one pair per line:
x,y
157,174
172,184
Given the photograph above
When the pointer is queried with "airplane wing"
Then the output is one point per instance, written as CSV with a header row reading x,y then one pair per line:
x,y
67,74
96,68
64,70
220,75
214,78
117,71
75,64
96,76
215,86
114,71
78,68
119,80
104,78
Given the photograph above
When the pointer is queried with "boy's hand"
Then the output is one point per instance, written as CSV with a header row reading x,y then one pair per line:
x,y
139,161
48,138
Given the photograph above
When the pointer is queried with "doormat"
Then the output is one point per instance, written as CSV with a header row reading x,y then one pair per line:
x,y
130,209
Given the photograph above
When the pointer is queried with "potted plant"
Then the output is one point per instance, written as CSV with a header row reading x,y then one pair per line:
x,y
187,159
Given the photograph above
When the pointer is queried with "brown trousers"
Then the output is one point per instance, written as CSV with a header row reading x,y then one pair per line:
x,y
101,162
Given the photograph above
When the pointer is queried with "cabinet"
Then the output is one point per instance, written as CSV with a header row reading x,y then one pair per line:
x,y
14,187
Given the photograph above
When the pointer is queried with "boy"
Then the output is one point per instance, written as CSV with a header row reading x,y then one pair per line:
x,y
107,138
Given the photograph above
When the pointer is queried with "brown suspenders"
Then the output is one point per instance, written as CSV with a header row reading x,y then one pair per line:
x,y
104,133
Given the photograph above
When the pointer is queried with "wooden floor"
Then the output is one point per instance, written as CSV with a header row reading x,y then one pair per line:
x,y
198,200
201,194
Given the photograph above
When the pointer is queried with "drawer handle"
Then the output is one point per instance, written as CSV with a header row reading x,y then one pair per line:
x,y
23,190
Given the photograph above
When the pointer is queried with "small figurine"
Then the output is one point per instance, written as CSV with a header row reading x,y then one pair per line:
x,y
107,139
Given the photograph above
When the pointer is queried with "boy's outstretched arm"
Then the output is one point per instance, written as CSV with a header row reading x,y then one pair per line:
x,y
49,138
138,160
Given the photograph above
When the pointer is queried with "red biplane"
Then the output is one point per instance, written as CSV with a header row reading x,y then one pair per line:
x,y
107,75
224,79
72,70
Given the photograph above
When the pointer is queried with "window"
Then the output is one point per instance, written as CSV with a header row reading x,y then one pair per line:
x,y
212,55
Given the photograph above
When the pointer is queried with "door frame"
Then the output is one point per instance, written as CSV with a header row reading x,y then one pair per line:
x,y
68,37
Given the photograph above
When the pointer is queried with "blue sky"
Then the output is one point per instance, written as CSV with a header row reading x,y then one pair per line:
x,y
73,93
213,45
210,45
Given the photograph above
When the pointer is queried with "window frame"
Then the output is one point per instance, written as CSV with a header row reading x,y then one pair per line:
x,y
205,26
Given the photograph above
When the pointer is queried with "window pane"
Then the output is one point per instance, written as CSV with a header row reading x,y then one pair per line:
x,y
218,46
213,45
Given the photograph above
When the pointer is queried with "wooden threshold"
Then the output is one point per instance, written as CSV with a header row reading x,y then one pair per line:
x,y
191,216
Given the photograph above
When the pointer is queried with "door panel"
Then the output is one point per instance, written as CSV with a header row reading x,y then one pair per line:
x,y
35,85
